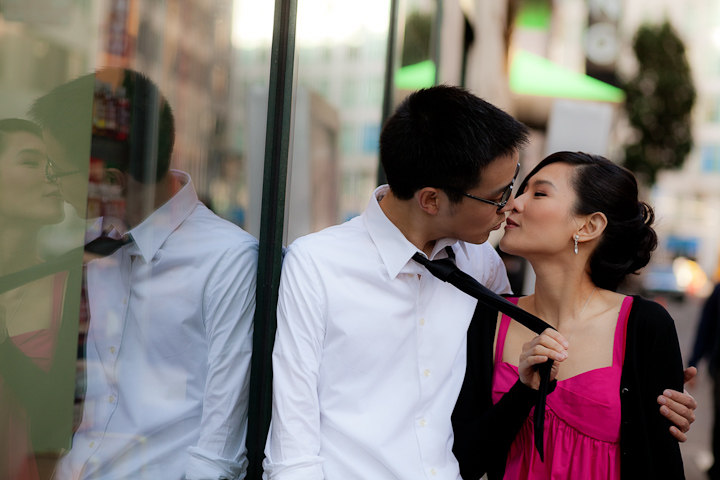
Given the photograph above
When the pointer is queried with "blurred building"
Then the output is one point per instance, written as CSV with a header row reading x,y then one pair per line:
x,y
555,65
688,201
42,45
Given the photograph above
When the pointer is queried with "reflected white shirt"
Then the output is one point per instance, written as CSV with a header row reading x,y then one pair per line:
x,y
369,355
168,350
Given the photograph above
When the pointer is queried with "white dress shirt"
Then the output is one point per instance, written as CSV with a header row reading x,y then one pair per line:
x,y
168,350
369,354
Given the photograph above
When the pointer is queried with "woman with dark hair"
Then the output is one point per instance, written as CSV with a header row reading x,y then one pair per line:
x,y
578,221
32,334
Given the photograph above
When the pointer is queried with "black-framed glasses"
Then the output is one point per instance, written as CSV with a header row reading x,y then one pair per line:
x,y
52,175
505,196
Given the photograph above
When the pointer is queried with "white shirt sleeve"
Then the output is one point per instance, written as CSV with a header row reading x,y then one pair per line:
x,y
229,307
293,445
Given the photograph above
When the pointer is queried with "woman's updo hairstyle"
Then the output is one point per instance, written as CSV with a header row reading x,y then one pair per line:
x,y
602,186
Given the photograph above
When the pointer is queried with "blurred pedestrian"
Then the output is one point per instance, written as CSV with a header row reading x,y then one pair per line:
x,y
707,343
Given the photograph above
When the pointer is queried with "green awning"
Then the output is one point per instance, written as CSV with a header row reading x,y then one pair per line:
x,y
416,76
534,75
534,15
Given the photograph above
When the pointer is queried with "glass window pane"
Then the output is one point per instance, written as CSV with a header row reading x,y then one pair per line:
x,y
338,109
132,141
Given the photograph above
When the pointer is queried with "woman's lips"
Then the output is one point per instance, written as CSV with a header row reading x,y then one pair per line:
x,y
54,194
510,223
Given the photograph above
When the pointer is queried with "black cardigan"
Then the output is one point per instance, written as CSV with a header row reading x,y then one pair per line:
x,y
484,432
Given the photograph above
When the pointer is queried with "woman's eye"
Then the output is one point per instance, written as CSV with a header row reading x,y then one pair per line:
x,y
30,161
540,194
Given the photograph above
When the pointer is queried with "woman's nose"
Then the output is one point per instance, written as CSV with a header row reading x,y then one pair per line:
x,y
518,202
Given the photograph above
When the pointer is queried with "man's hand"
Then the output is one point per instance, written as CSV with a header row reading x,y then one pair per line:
x,y
679,408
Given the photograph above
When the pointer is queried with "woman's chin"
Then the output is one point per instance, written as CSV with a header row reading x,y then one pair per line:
x,y
503,245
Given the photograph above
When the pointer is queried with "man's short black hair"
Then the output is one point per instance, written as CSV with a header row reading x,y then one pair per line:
x,y
16,125
67,113
444,137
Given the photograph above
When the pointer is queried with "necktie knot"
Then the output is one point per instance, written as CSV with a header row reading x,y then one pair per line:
x,y
105,245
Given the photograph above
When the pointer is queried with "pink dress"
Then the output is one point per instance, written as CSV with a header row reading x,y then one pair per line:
x,y
582,418
17,459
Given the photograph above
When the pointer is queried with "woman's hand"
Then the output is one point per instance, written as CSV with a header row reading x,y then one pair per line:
x,y
549,344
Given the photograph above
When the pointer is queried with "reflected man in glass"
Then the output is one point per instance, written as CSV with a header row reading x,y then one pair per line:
x,y
170,294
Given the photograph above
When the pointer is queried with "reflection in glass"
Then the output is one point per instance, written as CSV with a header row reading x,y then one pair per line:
x,y
170,295
165,310
35,408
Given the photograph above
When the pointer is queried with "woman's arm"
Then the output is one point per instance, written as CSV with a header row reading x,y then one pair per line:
x,y
653,363
484,432
47,396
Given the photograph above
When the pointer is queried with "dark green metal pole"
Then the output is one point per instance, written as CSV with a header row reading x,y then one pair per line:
x,y
277,142
437,40
389,87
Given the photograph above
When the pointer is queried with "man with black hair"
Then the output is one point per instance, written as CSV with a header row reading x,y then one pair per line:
x,y
370,351
170,293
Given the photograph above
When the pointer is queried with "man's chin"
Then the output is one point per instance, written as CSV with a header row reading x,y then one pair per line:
x,y
477,240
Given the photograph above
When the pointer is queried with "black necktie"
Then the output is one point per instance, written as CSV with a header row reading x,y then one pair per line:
x,y
105,246
446,270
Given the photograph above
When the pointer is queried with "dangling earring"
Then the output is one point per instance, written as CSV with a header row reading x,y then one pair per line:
x,y
577,237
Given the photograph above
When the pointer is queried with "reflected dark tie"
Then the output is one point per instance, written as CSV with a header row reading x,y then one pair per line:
x,y
105,246
446,270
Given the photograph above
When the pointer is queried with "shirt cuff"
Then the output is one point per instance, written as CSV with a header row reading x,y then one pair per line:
x,y
302,468
205,465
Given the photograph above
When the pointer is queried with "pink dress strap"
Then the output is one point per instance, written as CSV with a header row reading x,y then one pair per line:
x,y
621,332
502,333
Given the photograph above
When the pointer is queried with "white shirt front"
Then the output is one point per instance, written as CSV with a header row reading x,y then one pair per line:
x,y
369,354
168,350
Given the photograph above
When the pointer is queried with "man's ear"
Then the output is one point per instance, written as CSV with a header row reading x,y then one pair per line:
x,y
593,226
429,199
114,176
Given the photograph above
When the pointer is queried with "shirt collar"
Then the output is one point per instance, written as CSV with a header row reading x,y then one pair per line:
x,y
93,229
151,234
395,250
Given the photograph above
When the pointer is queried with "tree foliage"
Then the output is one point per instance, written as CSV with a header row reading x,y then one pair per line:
x,y
659,103
418,35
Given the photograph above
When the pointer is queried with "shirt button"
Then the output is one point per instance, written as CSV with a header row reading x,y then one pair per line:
x,y
423,422
427,373
112,350
433,472
92,444
125,301
111,399
422,321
